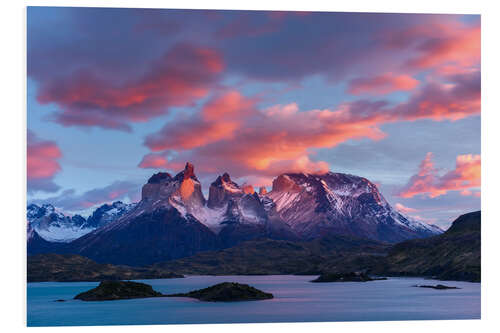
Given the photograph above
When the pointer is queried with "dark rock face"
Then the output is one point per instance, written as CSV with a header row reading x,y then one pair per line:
x,y
37,244
187,173
227,292
115,290
159,177
222,190
345,277
147,238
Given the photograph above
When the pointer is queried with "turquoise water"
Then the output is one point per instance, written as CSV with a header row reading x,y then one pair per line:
x,y
296,300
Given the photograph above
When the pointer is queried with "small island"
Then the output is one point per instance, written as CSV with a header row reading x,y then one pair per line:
x,y
227,292
438,286
115,290
346,277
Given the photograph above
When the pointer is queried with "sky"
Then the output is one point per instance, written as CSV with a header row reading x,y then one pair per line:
x,y
115,95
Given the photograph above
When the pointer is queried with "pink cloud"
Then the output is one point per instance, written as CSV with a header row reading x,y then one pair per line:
x,y
382,84
456,98
230,133
85,98
437,44
404,209
219,119
466,178
154,161
42,163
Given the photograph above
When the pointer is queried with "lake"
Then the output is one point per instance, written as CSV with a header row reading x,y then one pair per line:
x,y
296,300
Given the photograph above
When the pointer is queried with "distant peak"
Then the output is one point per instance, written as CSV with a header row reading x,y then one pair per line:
x,y
226,178
248,189
262,190
159,177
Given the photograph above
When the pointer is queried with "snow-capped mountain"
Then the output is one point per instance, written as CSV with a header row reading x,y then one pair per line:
x,y
336,203
108,213
173,218
53,225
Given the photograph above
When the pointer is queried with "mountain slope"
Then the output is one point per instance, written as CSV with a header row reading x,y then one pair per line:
x,y
36,244
341,204
267,256
454,255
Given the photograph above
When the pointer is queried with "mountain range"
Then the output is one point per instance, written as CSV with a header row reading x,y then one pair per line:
x,y
174,220
54,226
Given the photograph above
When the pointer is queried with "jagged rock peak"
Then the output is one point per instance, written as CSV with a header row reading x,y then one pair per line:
x,y
159,177
262,190
284,183
187,173
221,190
248,189
225,178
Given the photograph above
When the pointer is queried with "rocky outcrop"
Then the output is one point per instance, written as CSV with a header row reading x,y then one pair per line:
x,y
345,277
438,287
227,292
115,290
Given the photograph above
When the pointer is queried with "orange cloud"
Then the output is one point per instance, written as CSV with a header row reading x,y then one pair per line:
x,y
219,119
465,178
381,84
42,163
